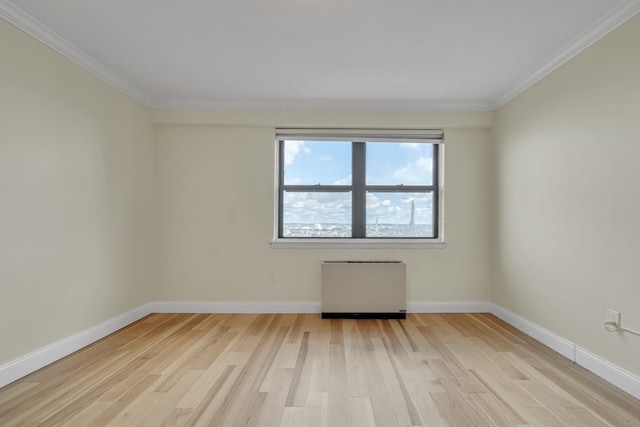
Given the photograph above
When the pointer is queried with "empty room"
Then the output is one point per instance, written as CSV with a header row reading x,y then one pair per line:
x,y
320,213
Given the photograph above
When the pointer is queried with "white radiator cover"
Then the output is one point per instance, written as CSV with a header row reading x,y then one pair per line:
x,y
365,289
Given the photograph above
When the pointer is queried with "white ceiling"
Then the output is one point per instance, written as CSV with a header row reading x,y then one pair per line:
x,y
335,54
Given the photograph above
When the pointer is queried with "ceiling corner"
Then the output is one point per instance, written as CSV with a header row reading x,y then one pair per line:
x,y
592,34
42,33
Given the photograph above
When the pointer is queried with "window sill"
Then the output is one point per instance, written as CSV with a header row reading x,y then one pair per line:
x,y
357,244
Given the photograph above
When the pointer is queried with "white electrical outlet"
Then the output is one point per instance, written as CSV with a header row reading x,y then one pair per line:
x,y
612,317
272,277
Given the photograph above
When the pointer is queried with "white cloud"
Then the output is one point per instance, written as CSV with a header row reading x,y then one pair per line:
x,y
328,208
317,207
343,181
414,146
415,197
396,209
415,173
292,149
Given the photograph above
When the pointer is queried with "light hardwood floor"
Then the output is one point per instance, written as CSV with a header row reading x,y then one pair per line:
x,y
298,370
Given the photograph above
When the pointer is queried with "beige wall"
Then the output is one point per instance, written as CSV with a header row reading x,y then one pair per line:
x,y
216,210
567,209
76,194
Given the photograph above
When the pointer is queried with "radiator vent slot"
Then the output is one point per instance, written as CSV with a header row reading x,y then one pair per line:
x,y
364,289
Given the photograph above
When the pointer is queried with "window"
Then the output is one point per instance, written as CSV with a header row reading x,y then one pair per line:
x,y
337,184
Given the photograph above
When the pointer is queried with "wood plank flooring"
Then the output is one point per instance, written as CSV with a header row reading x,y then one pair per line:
x,y
297,370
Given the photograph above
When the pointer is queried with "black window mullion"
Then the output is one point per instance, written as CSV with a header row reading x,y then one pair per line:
x,y
401,188
280,189
435,214
359,198
317,188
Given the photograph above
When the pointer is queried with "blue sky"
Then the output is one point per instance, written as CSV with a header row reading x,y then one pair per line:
x,y
329,163
317,162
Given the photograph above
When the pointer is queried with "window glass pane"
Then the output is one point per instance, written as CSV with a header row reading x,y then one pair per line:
x,y
316,214
317,162
399,215
394,163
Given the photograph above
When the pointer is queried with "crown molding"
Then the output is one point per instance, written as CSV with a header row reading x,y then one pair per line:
x,y
592,34
39,31
331,105
42,33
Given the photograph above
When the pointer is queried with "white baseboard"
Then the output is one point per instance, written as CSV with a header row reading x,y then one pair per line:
x,y
538,333
609,372
24,365
235,307
448,307
604,369
33,361
300,307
